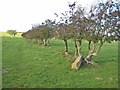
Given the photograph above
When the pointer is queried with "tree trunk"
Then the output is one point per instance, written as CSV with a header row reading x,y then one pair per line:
x,y
79,60
89,47
42,40
14,35
45,42
76,49
48,42
66,46
77,63
88,59
79,47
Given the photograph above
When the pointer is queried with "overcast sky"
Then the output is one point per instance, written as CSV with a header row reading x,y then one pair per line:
x,y
21,14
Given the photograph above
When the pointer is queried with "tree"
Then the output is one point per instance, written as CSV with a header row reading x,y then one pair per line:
x,y
40,33
67,27
106,27
12,32
100,27
77,26
62,30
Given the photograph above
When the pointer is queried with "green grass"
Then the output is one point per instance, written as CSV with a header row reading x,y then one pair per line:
x,y
4,34
29,65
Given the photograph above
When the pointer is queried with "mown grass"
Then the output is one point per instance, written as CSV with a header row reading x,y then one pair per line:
x,y
29,65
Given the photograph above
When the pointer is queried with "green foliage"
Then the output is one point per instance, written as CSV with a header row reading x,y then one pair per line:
x,y
28,65
12,32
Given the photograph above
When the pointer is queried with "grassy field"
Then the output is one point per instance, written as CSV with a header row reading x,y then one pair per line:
x,y
25,64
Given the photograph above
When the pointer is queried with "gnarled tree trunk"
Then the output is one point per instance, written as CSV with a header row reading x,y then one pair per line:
x,y
79,60
77,63
45,42
92,52
77,44
48,42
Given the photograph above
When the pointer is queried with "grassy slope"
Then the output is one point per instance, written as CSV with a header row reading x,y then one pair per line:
x,y
29,65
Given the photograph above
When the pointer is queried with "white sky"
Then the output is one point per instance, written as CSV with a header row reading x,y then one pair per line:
x,y
21,14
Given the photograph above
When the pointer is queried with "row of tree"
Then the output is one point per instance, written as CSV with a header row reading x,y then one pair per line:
x,y
100,25
40,33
